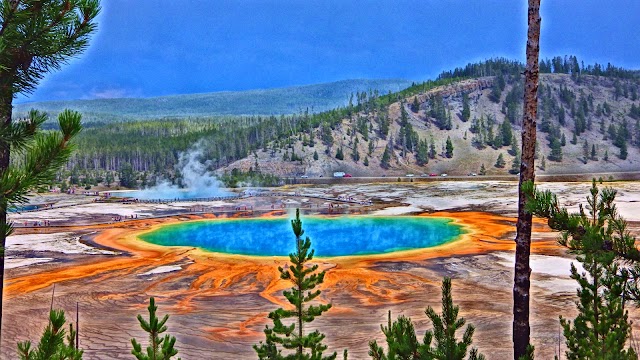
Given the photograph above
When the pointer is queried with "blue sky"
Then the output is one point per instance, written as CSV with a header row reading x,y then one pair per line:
x,y
149,48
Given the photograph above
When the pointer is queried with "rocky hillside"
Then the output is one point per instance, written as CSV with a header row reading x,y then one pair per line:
x,y
482,118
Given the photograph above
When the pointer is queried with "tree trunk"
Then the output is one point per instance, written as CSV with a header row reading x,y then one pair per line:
x,y
6,98
521,281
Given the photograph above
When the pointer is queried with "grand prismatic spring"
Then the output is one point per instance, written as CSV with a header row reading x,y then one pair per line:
x,y
331,236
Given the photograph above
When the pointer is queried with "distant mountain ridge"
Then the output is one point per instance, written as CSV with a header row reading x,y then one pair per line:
x,y
288,100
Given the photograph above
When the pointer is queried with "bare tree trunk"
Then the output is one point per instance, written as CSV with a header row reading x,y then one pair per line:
x,y
6,98
521,281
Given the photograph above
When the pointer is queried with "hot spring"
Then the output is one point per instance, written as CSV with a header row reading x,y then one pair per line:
x,y
330,236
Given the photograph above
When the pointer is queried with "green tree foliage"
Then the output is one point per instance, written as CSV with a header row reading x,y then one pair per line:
x,y
449,148
500,163
466,110
52,344
340,154
515,165
496,91
127,177
305,279
556,150
386,158
422,155
160,348
402,342
36,37
506,133
483,170
599,236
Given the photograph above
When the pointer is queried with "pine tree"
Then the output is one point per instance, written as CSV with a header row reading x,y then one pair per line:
x,y
402,341
483,170
315,155
422,156
386,158
600,238
466,110
606,155
36,37
355,155
159,348
52,344
594,154
339,154
500,163
366,161
556,150
623,150
585,152
432,149
449,148
563,140
305,279
515,165
574,139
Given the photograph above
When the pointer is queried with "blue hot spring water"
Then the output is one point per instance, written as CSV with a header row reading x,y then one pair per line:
x,y
330,236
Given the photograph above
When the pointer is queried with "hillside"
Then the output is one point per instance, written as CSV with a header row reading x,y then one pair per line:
x,y
477,109
599,107
289,100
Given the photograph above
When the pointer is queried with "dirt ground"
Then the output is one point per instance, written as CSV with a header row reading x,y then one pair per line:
x,y
219,303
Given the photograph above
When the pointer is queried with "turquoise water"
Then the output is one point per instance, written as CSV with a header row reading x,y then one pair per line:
x,y
330,236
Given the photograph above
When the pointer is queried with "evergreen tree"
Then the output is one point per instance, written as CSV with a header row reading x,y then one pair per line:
x,y
574,139
556,150
515,165
160,348
483,170
500,163
606,155
355,155
402,341
36,38
339,154
585,151
449,147
52,344
466,110
305,279
563,140
599,237
422,156
415,106
315,155
366,161
594,155
495,93
432,149
127,177
386,158
623,150
506,133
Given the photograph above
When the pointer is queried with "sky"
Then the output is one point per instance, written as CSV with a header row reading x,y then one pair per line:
x,y
147,48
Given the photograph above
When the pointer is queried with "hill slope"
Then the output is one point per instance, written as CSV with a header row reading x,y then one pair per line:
x,y
289,100
598,108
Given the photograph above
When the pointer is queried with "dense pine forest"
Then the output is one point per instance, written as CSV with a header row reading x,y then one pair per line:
x,y
467,119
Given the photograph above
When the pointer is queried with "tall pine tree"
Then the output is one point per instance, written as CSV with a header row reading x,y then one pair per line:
x,y
295,343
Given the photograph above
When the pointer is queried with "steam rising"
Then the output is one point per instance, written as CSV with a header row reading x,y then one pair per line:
x,y
197,180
